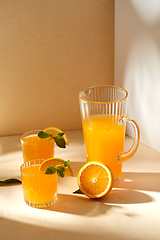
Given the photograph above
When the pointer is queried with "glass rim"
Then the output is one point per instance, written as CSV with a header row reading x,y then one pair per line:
x,y
28,133
39,161
109,86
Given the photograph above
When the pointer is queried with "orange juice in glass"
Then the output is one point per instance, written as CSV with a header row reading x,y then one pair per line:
x,y
39,189
104,117
34,147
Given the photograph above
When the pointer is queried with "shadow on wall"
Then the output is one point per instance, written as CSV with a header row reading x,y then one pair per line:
x,y
142,70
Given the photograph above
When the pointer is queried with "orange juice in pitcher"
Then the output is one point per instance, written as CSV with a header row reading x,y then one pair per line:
x,y
104,140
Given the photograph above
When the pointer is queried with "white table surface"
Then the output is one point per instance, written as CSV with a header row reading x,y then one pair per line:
x,y
130,211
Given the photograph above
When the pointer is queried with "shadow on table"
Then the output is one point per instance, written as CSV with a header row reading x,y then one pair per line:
x,y
126,196
143,181
80,205
12,229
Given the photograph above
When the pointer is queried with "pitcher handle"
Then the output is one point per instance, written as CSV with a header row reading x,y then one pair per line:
x,y
122,157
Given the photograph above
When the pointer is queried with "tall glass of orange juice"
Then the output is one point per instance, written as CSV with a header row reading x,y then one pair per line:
x,y
104,117
34,147
39,189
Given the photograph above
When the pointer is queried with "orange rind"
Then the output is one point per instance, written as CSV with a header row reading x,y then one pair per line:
x,y
56,162
54,131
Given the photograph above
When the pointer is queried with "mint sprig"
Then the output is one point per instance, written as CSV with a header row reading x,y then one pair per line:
x,y
59,169
58,138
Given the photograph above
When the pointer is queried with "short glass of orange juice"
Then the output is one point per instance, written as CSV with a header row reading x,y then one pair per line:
x,y
34,147
39,189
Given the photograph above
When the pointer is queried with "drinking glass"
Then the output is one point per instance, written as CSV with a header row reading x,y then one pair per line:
x,y
104,117
39,189
34,147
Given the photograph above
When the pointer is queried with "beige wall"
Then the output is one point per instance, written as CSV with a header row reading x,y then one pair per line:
x,y
137,64
49,51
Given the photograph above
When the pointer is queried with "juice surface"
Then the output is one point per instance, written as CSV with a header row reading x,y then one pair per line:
x,y
38,187
104,140
34,147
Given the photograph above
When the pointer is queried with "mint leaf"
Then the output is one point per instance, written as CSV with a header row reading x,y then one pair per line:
x,y
10,180
60,141
59,135
60,171
78,191
66,163
50,170
44,135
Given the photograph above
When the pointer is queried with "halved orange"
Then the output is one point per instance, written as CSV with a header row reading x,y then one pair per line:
x,y
54,131
56,162
95,179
